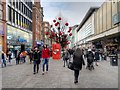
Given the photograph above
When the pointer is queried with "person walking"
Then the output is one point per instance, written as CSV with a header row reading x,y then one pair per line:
x,y
9,57
78,61
66,57
31,56
17,57
90,58
36,60
3,61
97,58
45,58
24,56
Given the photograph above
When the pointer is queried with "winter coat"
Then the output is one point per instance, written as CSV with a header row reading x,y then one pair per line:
x,y
66,55
90,57
78,62
45,53
36,57
97,56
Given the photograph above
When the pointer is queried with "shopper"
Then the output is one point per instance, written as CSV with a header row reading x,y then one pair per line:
x,y
9,57
45,58
3,61
66,57
78,61
36,60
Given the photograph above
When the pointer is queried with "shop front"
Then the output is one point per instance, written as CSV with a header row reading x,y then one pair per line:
x,y
1,36
16,37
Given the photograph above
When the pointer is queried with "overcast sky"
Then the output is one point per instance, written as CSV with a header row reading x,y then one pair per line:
x,y
73,10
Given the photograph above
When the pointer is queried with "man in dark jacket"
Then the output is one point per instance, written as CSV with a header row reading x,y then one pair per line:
x,y
90,57
36,60
78,61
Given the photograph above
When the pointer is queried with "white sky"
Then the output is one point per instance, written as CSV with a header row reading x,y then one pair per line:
x,y
73,10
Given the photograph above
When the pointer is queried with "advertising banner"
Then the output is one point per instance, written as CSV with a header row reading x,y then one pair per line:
x,y
56,52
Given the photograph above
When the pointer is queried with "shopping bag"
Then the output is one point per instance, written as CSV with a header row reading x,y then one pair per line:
x,y
71,66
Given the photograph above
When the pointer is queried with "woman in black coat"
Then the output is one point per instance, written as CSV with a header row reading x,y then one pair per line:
x,y
77,62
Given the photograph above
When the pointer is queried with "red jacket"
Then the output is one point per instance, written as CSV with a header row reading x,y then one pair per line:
x,y
45,53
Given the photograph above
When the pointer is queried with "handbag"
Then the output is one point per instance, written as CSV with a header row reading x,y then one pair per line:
x,y
71,66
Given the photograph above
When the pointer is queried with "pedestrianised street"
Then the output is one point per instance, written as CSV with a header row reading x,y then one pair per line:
x,y
21,76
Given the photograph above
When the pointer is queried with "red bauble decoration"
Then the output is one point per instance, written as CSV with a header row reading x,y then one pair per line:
x,y
70,28
60,33
70,34
47,33
66,24
56,24
59,18
53,34
54,21
65,36
50,36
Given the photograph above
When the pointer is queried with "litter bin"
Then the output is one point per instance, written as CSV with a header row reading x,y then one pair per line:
x,y
113,60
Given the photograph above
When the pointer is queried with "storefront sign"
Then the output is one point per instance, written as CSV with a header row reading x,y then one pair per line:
x,y
21,40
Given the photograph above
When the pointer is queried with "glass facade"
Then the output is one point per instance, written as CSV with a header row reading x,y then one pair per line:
x,y
21,14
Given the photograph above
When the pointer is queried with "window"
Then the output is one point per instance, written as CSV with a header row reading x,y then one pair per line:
x,y
13,16
1,13
10,14
19,22
17,4
17,18
1,7
14,3
22,7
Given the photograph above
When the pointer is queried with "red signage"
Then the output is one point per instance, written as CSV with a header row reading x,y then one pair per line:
x,y
56,55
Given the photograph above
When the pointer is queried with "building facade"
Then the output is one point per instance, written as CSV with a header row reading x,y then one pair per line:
x,y
46,27
86,28
37,23
2,26
74,36
107,33
103,27
19,23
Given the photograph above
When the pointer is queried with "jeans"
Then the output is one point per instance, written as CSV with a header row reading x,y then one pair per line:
x,y
3,62
36,64
45,62
76,74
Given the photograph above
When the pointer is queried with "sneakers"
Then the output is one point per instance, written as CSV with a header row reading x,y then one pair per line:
x,y
34,73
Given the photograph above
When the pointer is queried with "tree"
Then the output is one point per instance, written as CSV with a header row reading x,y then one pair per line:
x,y
59,32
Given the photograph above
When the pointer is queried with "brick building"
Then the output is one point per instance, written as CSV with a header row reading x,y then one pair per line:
x,y
37,23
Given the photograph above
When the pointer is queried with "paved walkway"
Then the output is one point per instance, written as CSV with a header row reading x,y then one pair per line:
x,y
21,76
